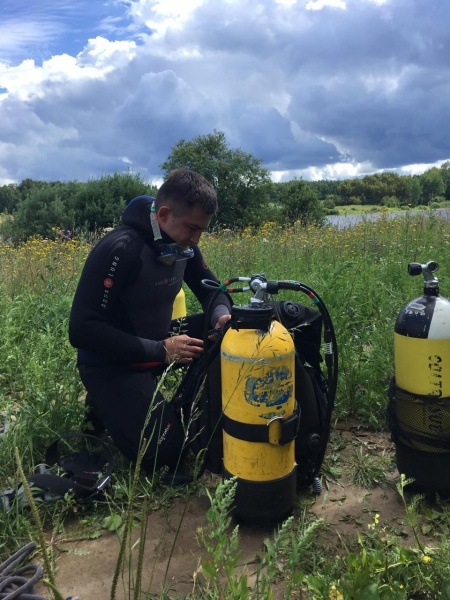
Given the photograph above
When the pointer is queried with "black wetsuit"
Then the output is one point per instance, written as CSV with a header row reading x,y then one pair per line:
x,y
120,316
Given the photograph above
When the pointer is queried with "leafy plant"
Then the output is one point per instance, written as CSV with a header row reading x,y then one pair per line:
x,y
284,556
368,470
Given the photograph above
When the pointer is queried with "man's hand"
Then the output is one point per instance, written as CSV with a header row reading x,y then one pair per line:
x,y
221,321
182,349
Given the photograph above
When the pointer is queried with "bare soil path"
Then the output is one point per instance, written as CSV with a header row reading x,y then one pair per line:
x,y
85,568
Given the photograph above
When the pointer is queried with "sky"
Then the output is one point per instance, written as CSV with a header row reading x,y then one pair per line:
x,y
318,89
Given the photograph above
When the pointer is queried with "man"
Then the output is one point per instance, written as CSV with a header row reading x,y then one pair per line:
x,y
121,316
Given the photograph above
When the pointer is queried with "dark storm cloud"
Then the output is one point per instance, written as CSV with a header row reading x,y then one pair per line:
x,y
381,93
259,129
161,112
371,80
121,126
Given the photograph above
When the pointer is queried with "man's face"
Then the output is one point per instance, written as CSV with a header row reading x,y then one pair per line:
x,y
185,229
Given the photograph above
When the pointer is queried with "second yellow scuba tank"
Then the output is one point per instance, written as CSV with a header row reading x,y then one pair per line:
x,y
420,399
179,306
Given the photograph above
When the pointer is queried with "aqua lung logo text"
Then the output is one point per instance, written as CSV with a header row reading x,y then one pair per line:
x,y
164,433
108,282
167,281
414,308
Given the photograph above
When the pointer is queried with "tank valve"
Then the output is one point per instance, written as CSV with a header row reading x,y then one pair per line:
x,y
431,285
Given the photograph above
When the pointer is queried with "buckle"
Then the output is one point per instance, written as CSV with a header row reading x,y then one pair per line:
x,y
286,431
275,434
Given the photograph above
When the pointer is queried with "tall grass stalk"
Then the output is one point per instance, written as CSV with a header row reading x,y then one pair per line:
x,y
126,546
50,581
125,559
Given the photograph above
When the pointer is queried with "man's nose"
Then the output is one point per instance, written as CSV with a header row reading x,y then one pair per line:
x,y
195,237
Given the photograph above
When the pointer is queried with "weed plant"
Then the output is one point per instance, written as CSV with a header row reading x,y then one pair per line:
x,y
378,568
361,275
284,557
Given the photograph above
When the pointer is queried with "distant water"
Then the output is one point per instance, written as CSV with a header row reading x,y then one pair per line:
x,y
345,221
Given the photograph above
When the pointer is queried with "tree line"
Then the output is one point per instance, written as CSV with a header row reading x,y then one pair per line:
x,y
247,196
388,189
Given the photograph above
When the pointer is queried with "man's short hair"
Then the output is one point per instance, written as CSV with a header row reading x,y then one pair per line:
x,y
184,189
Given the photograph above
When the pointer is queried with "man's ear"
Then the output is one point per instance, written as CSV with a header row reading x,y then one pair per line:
x,y
163,213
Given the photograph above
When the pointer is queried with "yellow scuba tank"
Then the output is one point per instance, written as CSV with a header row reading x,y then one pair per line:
x,y
260,417
179,306
420,401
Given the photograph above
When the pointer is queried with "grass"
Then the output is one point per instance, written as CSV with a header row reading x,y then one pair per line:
x,y
360,273
368,470
365,209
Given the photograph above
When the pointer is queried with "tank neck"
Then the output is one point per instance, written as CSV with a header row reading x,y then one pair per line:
x,y
431,288
248,317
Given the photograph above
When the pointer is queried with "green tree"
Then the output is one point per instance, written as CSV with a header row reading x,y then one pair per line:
x,y
241,183
299,202
445,172
413,195
374,189
331,201
390,201
78,206
348,189
392,182
27,186
42,210
432,184
99,202
9,198
325,188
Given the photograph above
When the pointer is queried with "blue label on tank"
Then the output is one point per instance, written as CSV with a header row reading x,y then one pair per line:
x,y
273,389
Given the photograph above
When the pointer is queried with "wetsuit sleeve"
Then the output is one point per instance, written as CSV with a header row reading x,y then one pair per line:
x,y
97,308
196,270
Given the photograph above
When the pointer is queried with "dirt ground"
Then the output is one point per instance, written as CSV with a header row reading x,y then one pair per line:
x,y
85,568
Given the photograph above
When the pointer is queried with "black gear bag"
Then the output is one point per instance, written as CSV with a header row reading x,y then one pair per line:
x,y
75,463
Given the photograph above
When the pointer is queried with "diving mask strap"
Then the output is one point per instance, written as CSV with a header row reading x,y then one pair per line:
x,y
154,223
166,253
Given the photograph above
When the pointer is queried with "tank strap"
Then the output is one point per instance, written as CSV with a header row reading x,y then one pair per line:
x,y
439,442
428,399
410,432
253,432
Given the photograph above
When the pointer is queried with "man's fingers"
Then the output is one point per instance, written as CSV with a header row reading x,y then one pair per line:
x,y
182,348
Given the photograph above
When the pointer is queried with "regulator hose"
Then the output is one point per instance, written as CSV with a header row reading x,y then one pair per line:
x,y
331,351
13,583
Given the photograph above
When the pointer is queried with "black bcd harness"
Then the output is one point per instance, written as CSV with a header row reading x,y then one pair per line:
x,y
76,463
